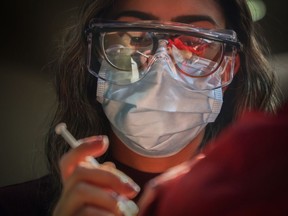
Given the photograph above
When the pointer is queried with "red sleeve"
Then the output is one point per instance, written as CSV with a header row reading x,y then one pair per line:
x,y
244,173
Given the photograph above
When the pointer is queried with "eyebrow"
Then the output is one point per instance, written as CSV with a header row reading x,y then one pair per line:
x,y
193,18
136,14
182,19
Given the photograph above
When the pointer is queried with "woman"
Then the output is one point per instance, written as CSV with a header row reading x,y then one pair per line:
x,y
78,108
253,87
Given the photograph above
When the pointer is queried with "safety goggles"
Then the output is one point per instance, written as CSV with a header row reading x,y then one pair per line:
x,y
129,48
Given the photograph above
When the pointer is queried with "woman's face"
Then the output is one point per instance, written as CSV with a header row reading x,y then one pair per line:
x,y
202,13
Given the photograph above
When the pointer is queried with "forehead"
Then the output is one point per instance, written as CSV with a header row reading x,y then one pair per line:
x,y
171,10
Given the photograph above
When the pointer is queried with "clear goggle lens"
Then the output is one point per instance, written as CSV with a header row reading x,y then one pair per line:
x,y
125,50
130,52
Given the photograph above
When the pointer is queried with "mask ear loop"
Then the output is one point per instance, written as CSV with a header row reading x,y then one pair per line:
x,y
89,57
100,80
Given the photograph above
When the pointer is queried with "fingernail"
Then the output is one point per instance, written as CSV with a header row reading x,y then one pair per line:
x,y
134,186
105,140
126,206
98,138
126,180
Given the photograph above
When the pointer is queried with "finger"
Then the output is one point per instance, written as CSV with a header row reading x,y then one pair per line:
x,y
93,211
84,194
92,146
102,178
124,179
105,165
109,164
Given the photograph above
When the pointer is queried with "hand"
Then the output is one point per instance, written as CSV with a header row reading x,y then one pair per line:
x,y
89,190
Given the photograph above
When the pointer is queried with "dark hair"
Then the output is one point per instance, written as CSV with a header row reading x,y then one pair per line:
x,y
252,88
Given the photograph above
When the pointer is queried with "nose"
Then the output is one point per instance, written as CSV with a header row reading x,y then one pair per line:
x,y
163,50
162,46
163,54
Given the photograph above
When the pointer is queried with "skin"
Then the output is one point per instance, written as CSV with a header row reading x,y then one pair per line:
x,y
87,190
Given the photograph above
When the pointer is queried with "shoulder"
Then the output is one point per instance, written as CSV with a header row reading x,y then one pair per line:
x,y
27,198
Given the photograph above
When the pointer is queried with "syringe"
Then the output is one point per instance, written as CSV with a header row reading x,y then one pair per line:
x,y
61,129
127,207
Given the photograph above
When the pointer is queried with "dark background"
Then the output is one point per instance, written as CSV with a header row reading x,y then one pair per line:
x,y
29,30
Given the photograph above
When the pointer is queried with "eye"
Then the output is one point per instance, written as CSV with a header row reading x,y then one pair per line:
x,y
139,39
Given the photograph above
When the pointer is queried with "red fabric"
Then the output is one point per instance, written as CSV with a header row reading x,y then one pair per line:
x,y
245,172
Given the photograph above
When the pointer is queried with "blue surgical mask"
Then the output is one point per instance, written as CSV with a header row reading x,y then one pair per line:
x,y
157,116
